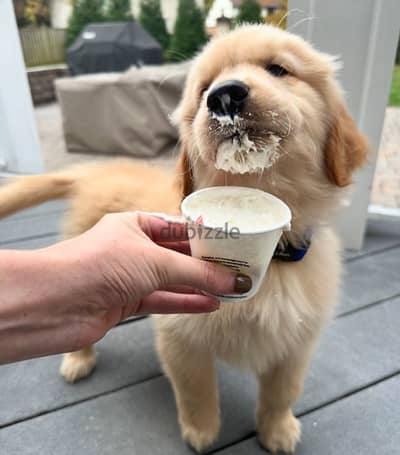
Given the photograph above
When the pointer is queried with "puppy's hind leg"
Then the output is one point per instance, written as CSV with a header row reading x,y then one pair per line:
x,y
78,365
278,429
193,378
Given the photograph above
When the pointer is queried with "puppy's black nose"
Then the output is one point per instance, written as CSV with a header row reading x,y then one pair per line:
x,y
227,98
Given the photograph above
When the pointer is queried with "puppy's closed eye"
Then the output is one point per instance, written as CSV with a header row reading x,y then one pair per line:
x,y
277,70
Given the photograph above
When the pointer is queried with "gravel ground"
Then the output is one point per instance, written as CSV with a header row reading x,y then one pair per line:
x,y
386,187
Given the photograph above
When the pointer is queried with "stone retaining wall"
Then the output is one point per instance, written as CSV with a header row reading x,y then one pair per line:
x,y
41,82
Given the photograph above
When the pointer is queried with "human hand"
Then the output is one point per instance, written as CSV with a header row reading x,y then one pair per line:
x,y
67,296
126,265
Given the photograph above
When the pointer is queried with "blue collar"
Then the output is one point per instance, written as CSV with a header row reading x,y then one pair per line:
x,y
289,253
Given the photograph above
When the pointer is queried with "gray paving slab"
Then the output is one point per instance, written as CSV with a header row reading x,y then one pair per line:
x,y
125,356
364,423
141,419
370,279
31,244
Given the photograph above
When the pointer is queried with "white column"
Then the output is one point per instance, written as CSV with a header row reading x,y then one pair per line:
x,y
19,143
364,33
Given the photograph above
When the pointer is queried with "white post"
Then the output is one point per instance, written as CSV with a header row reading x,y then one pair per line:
x,y
364,33
19,143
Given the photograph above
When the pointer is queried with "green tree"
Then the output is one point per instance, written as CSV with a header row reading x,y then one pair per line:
x,y
207,5
189,33
84,12
37,12
19,9
152,20
118,10
250,13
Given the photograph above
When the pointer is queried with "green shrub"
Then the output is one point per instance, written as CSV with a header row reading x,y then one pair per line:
x,y
189,33
207,5
152,20
249,12
118,10
394,98
37,12
84,12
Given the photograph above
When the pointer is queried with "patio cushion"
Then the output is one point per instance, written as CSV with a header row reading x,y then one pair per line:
x,y
122,113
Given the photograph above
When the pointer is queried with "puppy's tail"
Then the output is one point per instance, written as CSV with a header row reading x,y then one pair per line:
x,y
27,191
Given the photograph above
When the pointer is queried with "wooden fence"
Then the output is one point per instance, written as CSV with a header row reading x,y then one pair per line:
x,y
42,45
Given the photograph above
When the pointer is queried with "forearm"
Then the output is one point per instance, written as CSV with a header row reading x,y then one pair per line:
x,y
67,296
30,317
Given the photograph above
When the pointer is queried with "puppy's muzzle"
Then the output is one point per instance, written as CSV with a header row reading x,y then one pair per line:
x,y
227,98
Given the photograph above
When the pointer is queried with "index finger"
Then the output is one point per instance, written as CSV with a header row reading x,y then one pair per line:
x,y
162,228
164,302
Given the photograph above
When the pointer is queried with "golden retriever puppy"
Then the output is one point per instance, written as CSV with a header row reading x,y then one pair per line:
x,y
261,108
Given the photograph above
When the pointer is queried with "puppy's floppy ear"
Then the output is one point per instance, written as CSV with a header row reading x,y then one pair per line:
x,y
346,148
184,178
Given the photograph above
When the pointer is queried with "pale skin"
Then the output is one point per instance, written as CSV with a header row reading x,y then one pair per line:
x,y
67,296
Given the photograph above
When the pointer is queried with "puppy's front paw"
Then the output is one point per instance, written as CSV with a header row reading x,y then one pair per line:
x,y
279,433
76,366
200,438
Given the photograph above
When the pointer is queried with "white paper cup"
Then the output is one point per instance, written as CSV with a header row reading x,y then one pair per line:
x,y
247,250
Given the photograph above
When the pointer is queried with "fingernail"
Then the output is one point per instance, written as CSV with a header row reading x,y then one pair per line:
x,y
243,283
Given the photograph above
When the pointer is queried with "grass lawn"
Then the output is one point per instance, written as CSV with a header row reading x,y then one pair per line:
x,y
394,98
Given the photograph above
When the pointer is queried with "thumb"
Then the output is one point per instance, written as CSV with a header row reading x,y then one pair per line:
x,y
189,271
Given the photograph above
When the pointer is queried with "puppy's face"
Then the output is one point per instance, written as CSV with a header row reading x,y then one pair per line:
x,y
260,105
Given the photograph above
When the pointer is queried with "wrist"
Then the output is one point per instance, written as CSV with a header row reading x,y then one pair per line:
x,y
21,273
24,305
35,308
77,268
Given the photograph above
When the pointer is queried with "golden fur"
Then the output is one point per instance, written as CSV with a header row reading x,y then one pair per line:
x,y
274,333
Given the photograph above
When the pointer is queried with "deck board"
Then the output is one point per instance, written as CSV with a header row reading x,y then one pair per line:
x,y
370,279
125,356
31,243
127,406
379,235
36,223
350,358
364,423
12,230
57,206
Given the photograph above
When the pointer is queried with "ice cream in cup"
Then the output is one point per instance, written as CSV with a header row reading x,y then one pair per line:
x,y
236,227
